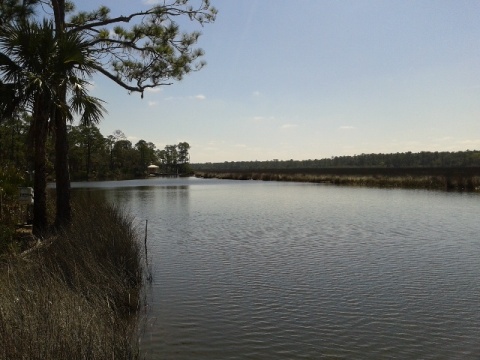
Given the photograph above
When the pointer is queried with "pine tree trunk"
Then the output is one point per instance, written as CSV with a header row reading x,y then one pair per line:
x,y
62,172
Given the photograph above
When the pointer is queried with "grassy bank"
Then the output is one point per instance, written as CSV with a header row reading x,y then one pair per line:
x,y
438,179
75,295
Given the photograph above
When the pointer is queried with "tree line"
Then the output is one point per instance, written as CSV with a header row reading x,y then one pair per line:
x,y
96,157
92,155
48,55
424,159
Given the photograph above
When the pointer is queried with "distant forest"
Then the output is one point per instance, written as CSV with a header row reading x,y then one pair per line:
x,y
92,156
424,159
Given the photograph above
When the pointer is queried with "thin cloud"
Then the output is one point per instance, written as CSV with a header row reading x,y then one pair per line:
x,y
288,126
256,93
216,142
154,90
199,97
152,103
211,148
262,118
346,127
470,142
445,138
214,145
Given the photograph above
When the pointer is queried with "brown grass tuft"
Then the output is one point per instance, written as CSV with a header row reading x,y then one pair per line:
x,y
75,296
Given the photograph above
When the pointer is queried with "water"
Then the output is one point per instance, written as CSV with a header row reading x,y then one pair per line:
x,y
270,270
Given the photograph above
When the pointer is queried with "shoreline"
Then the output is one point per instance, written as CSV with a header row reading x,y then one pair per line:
x,y
78,292
446,179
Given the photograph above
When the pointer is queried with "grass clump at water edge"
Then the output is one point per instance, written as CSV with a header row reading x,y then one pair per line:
x,y
76,296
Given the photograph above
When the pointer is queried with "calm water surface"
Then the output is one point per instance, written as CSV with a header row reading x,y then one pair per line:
x,y
270,270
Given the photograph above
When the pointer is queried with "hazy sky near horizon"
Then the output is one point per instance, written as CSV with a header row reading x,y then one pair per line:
x,y
310,79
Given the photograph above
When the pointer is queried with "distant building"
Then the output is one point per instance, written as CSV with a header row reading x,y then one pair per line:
x,y
153,170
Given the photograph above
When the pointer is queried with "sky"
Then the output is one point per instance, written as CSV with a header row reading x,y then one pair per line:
x,y
312,79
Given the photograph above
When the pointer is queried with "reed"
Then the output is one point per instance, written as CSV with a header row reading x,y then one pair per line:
x,y
75,296
417,181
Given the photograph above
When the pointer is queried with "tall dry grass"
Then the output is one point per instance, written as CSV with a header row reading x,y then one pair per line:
x,y
437,182
76,295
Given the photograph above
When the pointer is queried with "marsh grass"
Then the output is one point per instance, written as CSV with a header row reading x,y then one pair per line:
x,y
77,295
420,181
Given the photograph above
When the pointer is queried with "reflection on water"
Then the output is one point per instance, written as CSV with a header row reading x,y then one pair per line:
x,y
264,270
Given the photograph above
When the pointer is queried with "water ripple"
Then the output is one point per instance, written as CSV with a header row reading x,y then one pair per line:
x,y
252,270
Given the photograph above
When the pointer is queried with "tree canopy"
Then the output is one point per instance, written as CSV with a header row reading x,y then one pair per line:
x,y
151,51
62,49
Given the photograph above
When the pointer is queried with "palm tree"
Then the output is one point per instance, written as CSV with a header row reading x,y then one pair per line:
x,y
26,62
39,72
145,55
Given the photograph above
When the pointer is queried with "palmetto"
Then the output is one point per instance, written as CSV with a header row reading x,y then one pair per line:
x,y
45,75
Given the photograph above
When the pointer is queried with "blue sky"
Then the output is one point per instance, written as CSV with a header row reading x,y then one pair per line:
x,y
310,79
